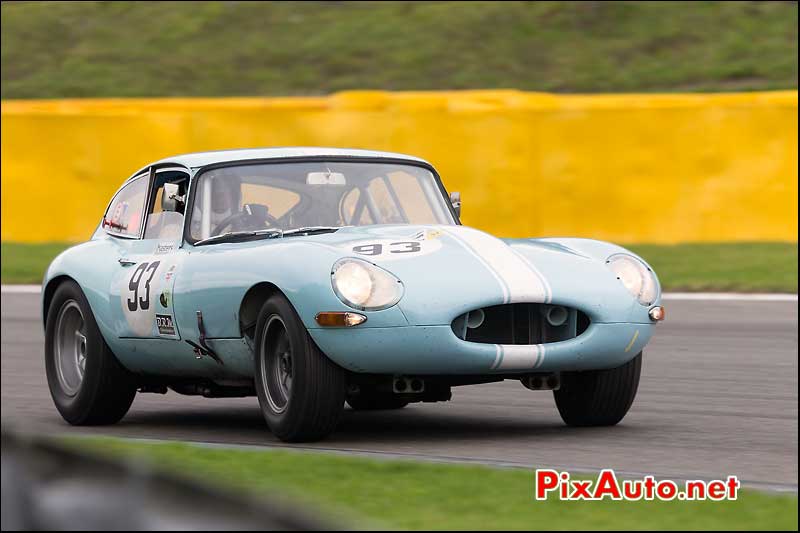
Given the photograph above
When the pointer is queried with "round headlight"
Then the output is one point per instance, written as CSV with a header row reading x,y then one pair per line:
x,y
364,286
635,276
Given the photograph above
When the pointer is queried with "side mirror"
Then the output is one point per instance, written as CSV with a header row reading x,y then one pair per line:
x,y
455,201
170,198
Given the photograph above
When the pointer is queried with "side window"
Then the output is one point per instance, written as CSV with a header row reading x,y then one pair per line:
x,y
124,215
167,224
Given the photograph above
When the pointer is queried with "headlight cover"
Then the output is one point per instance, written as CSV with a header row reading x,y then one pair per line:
x,y
364,286
635,276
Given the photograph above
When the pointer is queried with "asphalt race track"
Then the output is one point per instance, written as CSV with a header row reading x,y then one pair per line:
x,y
718,396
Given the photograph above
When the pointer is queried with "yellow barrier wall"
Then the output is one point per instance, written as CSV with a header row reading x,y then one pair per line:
x,y
626,168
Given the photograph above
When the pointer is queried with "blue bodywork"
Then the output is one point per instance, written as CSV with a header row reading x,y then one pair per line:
x,y
458,269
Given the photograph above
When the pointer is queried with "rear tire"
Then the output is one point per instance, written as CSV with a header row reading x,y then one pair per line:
x,y
88,385
598,397
372,400
300,390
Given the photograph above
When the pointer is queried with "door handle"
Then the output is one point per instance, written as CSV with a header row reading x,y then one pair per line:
x,y
126,262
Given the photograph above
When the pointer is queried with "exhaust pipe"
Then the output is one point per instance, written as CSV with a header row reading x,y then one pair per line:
x,y
542,381
401,384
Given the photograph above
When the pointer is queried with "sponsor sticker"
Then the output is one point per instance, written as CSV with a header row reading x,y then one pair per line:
x,y
427,234
165,325
165,298
170,273
165,248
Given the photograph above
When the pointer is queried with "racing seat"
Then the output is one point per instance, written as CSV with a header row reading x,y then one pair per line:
x,y
165,225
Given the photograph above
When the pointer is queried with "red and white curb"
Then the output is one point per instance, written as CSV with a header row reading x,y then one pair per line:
x,y
669,296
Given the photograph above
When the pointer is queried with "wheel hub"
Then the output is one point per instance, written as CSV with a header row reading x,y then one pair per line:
x,y
276,364
70,348
286,364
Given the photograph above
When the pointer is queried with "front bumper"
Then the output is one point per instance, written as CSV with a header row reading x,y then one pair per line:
x,y
418,350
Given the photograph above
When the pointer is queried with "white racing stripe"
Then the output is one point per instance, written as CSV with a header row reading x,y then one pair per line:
x,y
498,355
482,261
540,355
520,356
548,290
523,283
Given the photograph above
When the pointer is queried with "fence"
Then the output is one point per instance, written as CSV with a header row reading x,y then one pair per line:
x,y
626,168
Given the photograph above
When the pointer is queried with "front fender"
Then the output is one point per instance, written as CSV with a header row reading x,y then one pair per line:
x,y
586,279
214,279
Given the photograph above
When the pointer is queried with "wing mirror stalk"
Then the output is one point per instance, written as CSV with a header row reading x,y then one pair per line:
x,y
455,201
171,200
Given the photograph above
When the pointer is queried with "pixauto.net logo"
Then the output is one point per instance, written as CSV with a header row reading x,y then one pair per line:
x,y
648,488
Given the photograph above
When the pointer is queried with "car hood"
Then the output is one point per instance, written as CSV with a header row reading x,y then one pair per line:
x,y
449,270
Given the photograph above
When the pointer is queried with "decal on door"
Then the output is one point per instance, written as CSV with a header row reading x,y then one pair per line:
x,y
146,298
165,298
165,248
138,293
136,301
165,325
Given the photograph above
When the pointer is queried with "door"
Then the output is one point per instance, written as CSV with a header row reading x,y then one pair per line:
x,y
141,289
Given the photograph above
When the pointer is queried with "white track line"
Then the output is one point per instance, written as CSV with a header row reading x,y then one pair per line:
x,y
705,296
441,459
21,289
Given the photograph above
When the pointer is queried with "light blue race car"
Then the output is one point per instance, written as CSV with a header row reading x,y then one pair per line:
x,y
312,277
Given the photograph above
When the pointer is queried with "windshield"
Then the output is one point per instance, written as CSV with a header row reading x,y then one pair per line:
x,y
287,196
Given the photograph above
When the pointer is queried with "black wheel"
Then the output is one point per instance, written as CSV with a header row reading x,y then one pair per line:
x,y
88,385
598,397
300,390
371,400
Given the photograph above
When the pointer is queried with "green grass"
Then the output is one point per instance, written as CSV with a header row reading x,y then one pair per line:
x,y
413,495
86,49
26,263
747,267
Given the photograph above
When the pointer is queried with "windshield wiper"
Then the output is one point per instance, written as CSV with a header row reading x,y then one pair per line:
x,y
240,236
308,230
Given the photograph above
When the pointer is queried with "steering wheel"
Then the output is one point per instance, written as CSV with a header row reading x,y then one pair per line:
x,y
243,221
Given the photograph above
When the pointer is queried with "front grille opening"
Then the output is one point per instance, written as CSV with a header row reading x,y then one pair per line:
x,y
582,323
521,323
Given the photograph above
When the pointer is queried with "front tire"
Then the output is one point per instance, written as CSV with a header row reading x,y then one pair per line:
x,y
598,397
300,390
88,385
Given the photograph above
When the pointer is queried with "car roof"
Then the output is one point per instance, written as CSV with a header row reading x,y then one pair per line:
x,y
203,159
